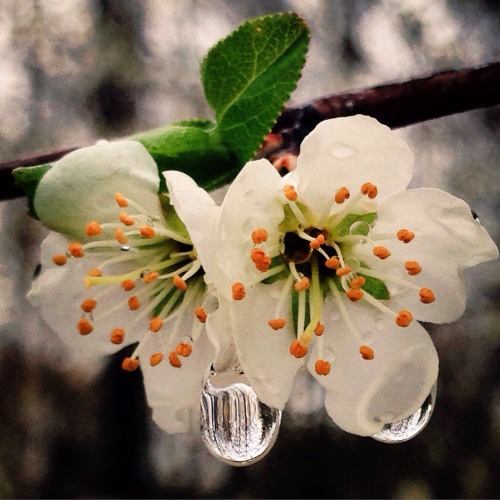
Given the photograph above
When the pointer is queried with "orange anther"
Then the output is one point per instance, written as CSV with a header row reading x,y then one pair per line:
x,y
297,349
120,236
341,195
184,350
155,324
366,352
75,249
322,367
121,200
156,358
301,285
317,242
93,228
117,336
332,263
126,219
129,364
413,267
179,283
60,259
290,192
369,190
343,271
238,291
404,318
320,329
427,296
277,323
357,282
151,276
128,285
88,305
381,252
257,254
259,235
147,231
84,326
134,303
95,272
174,360
200,313
405,236
263,264
354,294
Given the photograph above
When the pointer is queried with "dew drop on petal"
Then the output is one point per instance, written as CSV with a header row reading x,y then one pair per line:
x,y
341,150
124,248
235,426
408,428
359,228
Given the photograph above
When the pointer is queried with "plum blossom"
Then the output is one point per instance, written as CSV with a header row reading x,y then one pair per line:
x,y
119,268
333,266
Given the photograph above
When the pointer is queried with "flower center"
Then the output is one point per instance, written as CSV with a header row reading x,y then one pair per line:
x,y
154,268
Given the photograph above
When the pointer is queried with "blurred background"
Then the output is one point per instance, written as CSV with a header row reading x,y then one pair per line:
x,y
72,72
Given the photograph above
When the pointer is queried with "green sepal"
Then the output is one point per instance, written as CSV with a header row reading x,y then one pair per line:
x,y
375,287
172,220
290,223
294,309
249,76
342,228
28,178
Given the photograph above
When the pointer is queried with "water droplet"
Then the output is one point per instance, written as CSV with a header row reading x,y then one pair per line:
x,y
408,428
124,248
360,228
341,150
235,426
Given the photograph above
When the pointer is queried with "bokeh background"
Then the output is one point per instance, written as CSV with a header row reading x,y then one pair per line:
x,y
72,72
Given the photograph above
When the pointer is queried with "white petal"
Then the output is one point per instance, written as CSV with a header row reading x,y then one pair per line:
x,y
349,152
81,186
263,352
363,395
447,240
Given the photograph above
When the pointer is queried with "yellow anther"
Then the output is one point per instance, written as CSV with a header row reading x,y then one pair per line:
x,y
301,285
174,360
317,242
60,259
126,219
322,367
404,318
200,313
357,282
93,228
117,336
343,271
120,236
277,323
151,276
297,349
75,249
95,272
155,324
366,352
427,296
341,195
129,364
84,326
121,200
179,283
263,264
88,305
354,294
413,267
238,291
320,329
405,236
332,263
259,235
147,231
156,358
381,252
128,285
369,190
290,192
134,303
184,350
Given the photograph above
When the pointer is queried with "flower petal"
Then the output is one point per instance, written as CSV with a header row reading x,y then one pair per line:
x,y
363,395
350,152
81,186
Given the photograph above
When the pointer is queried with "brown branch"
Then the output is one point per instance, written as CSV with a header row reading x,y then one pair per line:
x,y
396,105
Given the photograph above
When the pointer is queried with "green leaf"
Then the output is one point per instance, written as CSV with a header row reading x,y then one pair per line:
x,y
342,229
375,287
249,76
28,178
192,147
